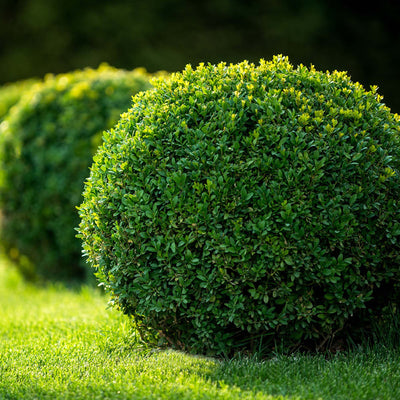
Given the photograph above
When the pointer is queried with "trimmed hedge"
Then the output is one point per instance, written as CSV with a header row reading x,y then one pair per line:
x,y
236,204
46,147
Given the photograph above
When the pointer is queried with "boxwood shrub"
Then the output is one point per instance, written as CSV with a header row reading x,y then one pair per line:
x,y
46,146
239,204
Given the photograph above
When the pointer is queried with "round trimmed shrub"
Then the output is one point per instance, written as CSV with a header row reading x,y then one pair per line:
x,y
46,147
236,204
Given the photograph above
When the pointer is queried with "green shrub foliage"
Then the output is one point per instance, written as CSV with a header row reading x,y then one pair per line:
x,y
11,93
236,203
46,147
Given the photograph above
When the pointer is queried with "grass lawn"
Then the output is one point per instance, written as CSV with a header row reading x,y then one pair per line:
x,y
57,343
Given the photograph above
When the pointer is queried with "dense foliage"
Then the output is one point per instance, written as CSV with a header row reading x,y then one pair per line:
x,y
237,203
11,93
46,146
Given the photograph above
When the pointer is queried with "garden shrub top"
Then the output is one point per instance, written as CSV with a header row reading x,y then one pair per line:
x,y
239,202
46,146
10,93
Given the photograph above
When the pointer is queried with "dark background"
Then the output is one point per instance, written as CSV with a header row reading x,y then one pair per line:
x,y
41,36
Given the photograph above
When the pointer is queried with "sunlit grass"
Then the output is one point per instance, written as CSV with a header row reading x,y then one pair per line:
x,y
57,343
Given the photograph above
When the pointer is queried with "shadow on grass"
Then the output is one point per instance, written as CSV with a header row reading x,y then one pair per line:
x,y
369,374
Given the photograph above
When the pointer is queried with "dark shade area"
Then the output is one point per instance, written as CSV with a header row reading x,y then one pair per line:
x,y
40,36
